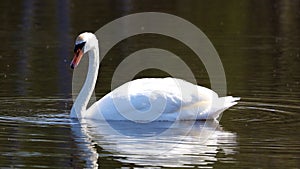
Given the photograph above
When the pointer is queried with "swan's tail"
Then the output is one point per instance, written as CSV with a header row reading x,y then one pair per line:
x,y
222,104
229,101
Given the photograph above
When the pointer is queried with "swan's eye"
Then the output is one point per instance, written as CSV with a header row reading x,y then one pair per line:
x,y
79,46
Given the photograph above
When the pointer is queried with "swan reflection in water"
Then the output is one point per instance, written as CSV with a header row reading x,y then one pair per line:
x,y
171,140
164,144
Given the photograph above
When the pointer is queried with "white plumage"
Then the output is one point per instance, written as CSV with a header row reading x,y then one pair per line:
x,y
165,99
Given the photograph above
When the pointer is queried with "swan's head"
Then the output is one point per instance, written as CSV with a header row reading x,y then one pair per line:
x,y
84,42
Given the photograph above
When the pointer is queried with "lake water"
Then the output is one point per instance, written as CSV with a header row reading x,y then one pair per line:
x,y
258,43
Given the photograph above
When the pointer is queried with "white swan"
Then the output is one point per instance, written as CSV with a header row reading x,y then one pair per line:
x,y
148,99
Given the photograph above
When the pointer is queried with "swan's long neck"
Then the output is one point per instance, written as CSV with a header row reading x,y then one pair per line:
x,y
81,102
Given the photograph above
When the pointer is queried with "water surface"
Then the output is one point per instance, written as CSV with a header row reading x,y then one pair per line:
x,y
258,43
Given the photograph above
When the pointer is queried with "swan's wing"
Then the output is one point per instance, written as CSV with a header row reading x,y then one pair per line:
x,y
172,97
168,93
144,95
120,103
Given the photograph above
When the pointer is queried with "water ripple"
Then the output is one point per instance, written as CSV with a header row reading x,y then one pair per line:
x,y
269,110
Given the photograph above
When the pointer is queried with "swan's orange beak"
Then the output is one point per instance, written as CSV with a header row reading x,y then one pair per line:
x,y
77,57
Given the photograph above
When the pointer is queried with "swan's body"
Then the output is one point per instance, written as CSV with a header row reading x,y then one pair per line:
x,y
166,99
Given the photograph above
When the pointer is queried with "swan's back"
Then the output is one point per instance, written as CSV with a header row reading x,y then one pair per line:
x,y
167,99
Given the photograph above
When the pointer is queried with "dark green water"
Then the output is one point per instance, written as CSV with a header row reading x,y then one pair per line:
x,y
258,43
